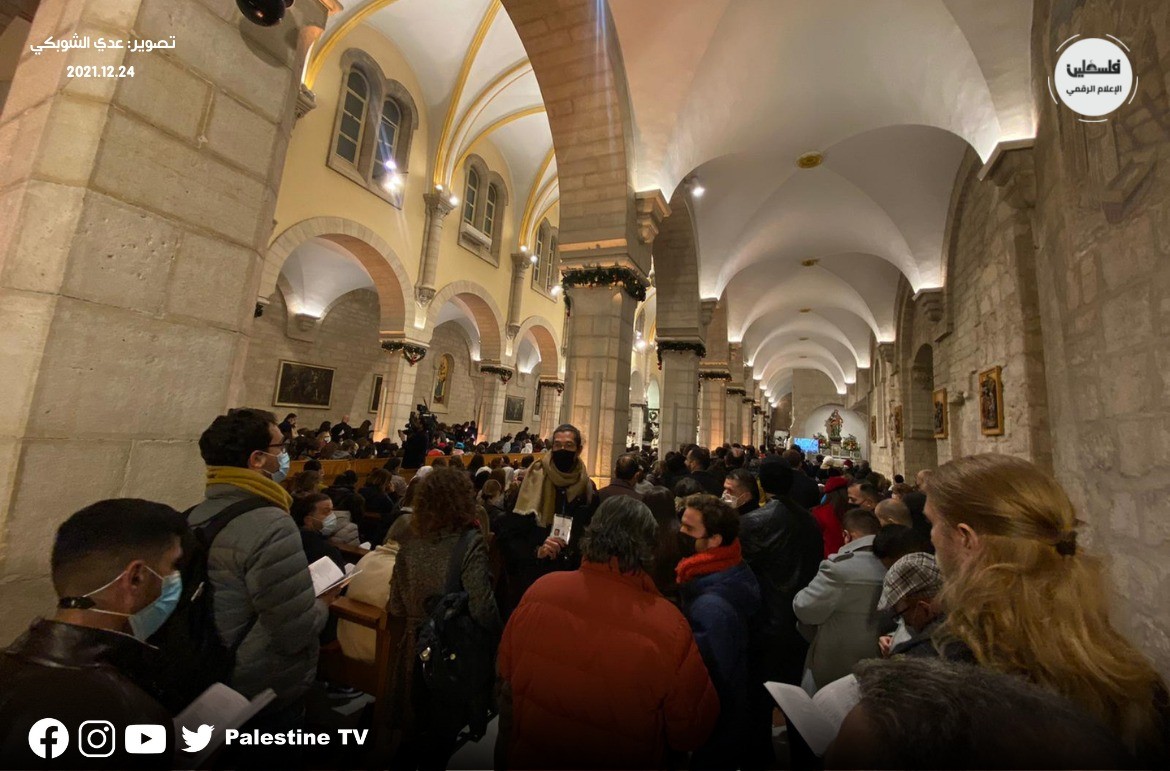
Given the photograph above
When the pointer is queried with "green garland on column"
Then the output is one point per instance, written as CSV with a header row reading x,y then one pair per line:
x,y
503,373
596,276
680,345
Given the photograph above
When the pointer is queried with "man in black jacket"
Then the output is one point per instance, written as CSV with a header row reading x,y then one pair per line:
x,y
805,489
115,569
783,547
698,463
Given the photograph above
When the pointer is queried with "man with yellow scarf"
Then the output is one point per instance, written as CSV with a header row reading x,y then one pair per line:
x,y
263,599
556,487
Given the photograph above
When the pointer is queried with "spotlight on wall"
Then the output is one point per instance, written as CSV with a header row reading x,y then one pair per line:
x,y
266,13
697,190
390,165
454,200
556,290
523,249
438,188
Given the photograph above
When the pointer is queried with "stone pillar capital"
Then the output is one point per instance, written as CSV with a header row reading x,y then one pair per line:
x,y
306,101
438,204
652,210
520,262
706,312
1012,168
932,303
423,295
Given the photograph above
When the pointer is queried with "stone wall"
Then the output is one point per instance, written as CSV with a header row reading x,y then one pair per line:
x,y
346,340
810,389
1103,227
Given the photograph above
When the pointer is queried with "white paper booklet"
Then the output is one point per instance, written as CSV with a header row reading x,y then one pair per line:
x,y
562,527
202,726
817,718
326,575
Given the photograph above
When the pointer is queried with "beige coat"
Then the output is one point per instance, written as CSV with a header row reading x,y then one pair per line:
x,y
371,586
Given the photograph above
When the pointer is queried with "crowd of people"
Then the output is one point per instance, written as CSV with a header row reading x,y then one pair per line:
x,y
956,620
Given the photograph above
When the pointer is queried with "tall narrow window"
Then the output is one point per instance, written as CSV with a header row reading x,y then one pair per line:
x,y
550,275
469,198
539,264
489,210
388,138
357,97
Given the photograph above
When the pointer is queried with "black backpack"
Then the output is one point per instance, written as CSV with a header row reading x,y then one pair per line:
x,y
191,655
455,654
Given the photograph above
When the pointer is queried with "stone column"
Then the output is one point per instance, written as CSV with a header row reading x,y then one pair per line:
x,y
638,422
132,221
520,263
438,207
598,372
550,406
680,399
745,413
398,379
712,420
735,391
494,391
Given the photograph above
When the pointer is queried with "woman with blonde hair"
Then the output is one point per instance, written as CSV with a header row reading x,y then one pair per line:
x,y
1027,600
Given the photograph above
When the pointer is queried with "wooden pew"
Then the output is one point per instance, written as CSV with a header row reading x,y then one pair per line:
x,y
334,667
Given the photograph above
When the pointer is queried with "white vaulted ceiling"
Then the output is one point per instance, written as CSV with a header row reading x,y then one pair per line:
x,y
892,93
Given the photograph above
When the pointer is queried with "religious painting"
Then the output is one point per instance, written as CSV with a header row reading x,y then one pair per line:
x,y
833,425
513,409
873,429
991,402
897,422
442,379
940,413
376,394
303,385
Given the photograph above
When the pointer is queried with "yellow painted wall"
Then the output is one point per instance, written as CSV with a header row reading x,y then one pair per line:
x,y
309,188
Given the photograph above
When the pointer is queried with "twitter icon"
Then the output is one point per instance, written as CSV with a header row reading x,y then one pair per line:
x,y
198,739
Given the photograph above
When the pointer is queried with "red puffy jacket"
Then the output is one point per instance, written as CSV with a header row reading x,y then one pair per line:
x,y
831,529
604,673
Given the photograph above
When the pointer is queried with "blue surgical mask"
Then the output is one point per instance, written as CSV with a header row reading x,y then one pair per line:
x,y
330,525
150,619
283,460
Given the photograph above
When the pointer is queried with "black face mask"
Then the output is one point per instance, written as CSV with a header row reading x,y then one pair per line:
x,y
687,544
564,460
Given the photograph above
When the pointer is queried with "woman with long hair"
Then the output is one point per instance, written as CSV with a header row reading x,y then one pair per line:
x,y
444,509
1026,599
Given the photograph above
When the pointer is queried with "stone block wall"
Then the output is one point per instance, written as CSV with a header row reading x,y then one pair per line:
x,y
810,389
346,340
1103,260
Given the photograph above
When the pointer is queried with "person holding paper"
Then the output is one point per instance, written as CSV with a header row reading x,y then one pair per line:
x,y
115,569
720,595
263,596
556,485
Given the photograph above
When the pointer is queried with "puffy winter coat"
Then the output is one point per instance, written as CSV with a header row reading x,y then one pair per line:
x,y
263,594
604,673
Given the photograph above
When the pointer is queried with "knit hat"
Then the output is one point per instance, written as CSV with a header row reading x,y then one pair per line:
x,y
835,483
913,575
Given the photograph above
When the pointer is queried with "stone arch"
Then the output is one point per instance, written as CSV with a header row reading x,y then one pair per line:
x,y
487,315
391,280
589,113
546,342
920,447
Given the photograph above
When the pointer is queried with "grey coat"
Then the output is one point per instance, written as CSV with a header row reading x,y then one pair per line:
x,y
841,603
262,590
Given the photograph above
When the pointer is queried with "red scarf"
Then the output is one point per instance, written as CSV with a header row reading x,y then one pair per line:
x,y
710,561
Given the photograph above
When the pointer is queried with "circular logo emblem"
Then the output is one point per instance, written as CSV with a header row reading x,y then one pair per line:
x,y
1093,77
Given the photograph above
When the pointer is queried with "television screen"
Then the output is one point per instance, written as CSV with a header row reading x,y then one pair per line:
x,y
807,445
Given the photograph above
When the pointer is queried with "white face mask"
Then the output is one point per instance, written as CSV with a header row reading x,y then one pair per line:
x,y
731,500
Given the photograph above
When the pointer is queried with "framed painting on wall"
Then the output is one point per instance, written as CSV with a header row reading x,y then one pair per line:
x,y
991,402
513,409
940,413
303,385
376,394
898,422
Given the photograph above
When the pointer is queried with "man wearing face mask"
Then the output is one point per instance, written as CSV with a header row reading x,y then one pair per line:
x,y
314,513
115,570
740,491
720,595
263,600
555,485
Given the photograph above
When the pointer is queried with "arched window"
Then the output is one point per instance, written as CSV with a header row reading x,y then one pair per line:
x,y
489,210
538,266
353,116
386,159
470,196
551,274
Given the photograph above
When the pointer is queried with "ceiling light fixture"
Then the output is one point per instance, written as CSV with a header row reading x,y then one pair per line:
x,y
806,310
803,339
809,263
810,160
697,190
454,200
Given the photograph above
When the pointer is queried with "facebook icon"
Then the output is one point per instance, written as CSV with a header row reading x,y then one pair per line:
x,y
48,738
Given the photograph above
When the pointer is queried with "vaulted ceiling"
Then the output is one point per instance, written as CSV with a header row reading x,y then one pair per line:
x,y
891,94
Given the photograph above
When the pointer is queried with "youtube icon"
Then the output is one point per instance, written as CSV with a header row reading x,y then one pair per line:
x,y
146,739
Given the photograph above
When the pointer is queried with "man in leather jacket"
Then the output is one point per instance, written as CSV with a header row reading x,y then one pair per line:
x,y
114,567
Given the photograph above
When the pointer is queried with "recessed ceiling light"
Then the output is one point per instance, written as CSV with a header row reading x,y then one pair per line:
x,y
806,310
809,263
804,357
810,160
698,190
804,338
